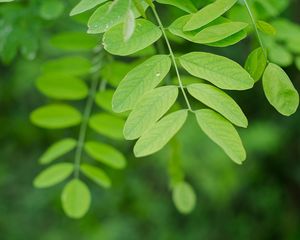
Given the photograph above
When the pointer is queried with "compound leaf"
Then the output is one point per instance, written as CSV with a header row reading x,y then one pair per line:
x,y
96,174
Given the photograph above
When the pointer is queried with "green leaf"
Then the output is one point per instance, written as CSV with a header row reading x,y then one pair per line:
x,y
149,109
256,63
231,40
140,80
62,87
106,154
107,125
219,32
145,34
55,116
50,10
74,41
208,14
68,66
186,5
57,150
129,25
184,197
76,199
96,174
222,132
108,15
266,28
85,5
221,71
156,137
297,62
279,90
219,101
104,98
53,175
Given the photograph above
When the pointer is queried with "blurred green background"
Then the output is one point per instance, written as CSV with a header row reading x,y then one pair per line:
x,y
258,200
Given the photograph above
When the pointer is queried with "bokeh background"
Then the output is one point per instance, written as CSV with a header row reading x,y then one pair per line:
x,y
258,200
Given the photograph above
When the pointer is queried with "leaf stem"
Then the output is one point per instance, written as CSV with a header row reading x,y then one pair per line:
x,y
255,28
85,119
172,57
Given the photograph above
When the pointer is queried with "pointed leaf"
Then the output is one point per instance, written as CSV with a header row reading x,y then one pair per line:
x,y
107,125
106,154
155,138
221,71
76,199
57,150
208,14
145,34
219,101
279,90
266,28
140,80
53,175
55,116
149,109
223,133
256,63
184,197
96,174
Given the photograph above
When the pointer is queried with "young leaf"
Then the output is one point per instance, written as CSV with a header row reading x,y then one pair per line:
x,y
76,199
156,137
129,25
62,87
140,80
108,15
223,133
266,28
279,90
149,109
55,116
53,175
231,40
184,197
145,34
107,125
219,101
96,174
221,71
85,5
208,14
256,63
186,5
105,154
57,150
219,32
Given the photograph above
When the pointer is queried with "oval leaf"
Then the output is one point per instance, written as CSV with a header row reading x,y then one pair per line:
x,y
184,197
62,87
57,150
53,175
76,199
107,125
208,14
186,5
149,109
96,174
221,71
85,5
222,132
140,80
279,90
106,154
219,101
145,34
160,134
256,63
55,116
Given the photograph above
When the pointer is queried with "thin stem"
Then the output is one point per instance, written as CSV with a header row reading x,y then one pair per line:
x,y
255,28
172,57
84,125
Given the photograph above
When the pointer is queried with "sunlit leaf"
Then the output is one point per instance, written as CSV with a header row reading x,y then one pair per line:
x,y
96,174
184,197
256,63
85,5
186,5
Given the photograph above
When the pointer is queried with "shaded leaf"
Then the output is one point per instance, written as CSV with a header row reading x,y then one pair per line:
x,y
96,174
184,197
